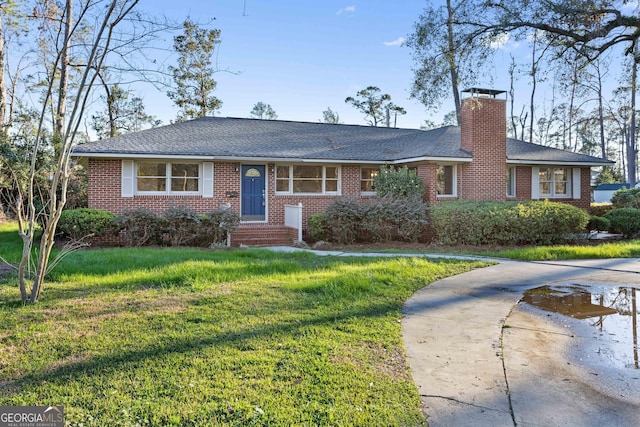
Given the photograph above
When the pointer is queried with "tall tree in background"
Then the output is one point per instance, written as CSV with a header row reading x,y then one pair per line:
x,y
330,116
375,106
124,113
263,111
193,77
444,59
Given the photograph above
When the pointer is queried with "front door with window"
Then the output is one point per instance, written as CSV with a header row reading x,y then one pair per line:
x,y
253,193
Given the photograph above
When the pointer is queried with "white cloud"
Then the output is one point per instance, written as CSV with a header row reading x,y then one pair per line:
x,y
396,42
498,41
348,9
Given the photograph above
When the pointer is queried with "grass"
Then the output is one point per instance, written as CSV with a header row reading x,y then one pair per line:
x,y
622,249
605,250
186,337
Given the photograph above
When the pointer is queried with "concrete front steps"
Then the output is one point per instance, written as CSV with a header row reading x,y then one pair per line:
x,y
263,235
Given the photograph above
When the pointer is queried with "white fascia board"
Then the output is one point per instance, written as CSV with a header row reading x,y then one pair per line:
x,y
558,163
433,159
140,156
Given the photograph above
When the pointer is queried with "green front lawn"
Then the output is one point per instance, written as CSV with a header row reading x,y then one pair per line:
x,y
188,337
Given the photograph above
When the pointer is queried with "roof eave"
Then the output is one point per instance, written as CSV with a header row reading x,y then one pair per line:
x,y
112,155
560,163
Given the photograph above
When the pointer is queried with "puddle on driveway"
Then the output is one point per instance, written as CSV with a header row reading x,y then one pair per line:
x,y
608,314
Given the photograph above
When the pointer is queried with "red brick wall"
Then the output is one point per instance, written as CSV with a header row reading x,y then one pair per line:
x,y
104,180
484,134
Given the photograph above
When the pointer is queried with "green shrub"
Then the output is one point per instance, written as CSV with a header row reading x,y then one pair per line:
x,y
83,222
141,227
181,225
600,209
626,198
398,183
394,219
598,223
317,226
625,221
344,220
506,223
378,220
215,226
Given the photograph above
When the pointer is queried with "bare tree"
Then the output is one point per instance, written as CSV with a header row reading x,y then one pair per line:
x,y
108,14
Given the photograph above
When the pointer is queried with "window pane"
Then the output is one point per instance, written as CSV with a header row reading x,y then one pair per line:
x,y
307,171
252,173
545,188
152,169
331,173
331,185
152,184
444,180
184,170
511,181
366,186
307,186
561,188
282,185
545,174
369,173
184,184
560,174
282,172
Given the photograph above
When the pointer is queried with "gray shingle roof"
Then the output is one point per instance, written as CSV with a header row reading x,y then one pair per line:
x,y
221,137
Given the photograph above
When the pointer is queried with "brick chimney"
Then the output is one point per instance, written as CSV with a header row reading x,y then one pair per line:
x,y
483,130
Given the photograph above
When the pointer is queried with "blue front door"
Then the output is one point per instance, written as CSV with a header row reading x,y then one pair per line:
x,y
253,193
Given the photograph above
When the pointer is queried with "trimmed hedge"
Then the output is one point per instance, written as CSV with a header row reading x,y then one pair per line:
x,y
506,223
82,222
379,220
178,226
625,221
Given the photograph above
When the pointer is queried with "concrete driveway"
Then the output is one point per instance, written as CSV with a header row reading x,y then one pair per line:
x,y
472,371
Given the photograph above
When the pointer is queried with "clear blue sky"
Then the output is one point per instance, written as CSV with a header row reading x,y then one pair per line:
x,y
304,56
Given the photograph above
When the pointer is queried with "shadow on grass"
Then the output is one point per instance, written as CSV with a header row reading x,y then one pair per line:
x,y
237,338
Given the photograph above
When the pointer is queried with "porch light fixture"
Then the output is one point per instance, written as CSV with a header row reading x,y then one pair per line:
x,y
272,167
236,167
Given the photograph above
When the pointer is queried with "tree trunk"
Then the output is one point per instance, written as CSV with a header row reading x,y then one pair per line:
x,y
3,83
631,140
61,110
451,58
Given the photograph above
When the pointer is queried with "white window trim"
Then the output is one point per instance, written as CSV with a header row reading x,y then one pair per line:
x,y
324,181
552,195
454,186
168,192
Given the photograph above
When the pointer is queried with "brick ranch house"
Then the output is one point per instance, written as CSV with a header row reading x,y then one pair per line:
x,y
261,168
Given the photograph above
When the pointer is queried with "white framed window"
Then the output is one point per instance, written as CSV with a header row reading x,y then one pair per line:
x,y
153,177
511,181
308,179
554,182
446,181
367,176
